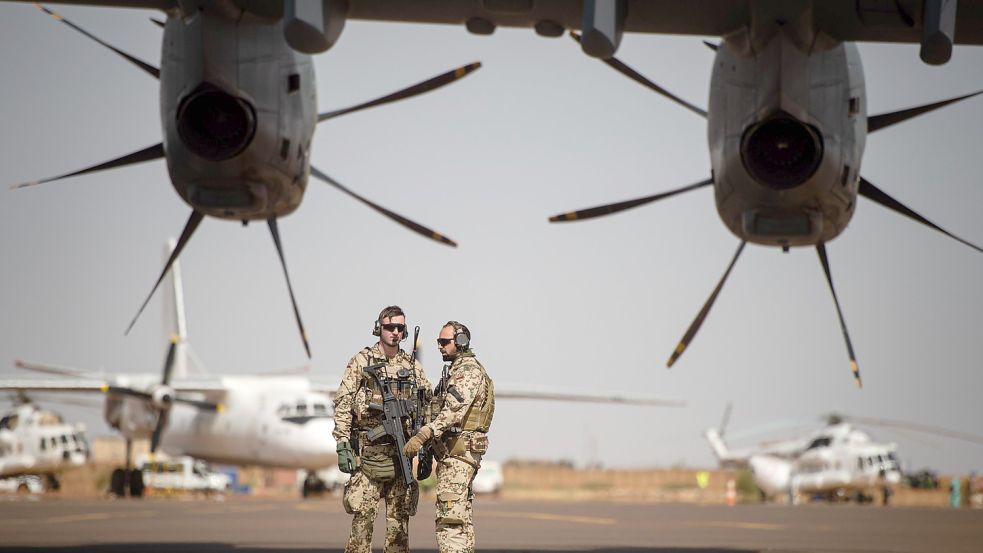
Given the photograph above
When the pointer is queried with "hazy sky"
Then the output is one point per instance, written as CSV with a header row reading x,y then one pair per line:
x,y
596,306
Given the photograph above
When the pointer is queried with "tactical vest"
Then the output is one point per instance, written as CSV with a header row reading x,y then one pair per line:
x,y
478,418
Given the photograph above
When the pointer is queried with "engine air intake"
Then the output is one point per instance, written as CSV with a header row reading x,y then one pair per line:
x,y
781,152
214,124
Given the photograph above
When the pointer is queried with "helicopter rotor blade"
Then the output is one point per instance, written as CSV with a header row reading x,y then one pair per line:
x,y
609,209
275,232
821,250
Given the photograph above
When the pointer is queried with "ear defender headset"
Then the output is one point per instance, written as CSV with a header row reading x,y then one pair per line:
x,y
462,336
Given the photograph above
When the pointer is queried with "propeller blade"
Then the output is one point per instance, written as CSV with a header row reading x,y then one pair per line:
x,y
884,120
158,430
415,227
409,92
200,404
122,391
169,362
153,71
147,154
620,67
691,331
871,192
274,230
189,229
608,209
821,250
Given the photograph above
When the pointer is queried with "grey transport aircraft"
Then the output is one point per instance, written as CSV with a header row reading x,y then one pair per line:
x,y
787,117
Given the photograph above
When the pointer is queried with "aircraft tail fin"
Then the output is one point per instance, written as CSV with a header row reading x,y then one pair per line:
x,y
175,324
718,446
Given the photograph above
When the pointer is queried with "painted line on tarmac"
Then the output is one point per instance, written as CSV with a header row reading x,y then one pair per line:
x,y
319,507
86,517
745,525
550,517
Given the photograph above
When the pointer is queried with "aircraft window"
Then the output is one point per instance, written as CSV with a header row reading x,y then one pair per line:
x,y
44,445
293,82
819,442
301,409
870,461
75,439
64,439
320,409
53,441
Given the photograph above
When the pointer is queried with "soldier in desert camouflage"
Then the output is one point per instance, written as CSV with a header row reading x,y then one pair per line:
x,y
375,473
464,406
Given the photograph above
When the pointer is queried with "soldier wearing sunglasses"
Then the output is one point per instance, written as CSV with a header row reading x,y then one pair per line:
x,y
376,476
465,404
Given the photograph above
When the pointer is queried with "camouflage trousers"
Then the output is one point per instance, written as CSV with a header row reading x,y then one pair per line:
x,y
362,495
455,528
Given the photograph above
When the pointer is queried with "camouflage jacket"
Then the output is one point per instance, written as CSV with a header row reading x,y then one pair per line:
x,y
465,386
356,391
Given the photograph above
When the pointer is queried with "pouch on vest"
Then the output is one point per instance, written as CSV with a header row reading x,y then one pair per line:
x,y
378,467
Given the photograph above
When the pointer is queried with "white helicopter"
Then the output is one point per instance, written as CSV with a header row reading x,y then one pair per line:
x,y
835,462
35,441
272,421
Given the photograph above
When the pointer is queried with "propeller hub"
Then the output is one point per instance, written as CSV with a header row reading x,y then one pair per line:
x,y
214,124
781,152
162,397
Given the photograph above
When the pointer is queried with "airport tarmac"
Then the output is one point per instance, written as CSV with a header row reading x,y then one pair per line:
x,y
278,526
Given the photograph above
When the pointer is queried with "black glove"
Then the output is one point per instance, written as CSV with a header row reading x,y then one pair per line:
x,y
346,457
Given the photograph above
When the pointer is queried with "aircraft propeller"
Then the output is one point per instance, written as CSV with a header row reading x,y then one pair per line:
x,y
866,189
162,397
156,151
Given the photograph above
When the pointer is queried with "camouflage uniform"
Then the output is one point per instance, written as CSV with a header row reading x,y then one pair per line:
x,y
469,392
363,491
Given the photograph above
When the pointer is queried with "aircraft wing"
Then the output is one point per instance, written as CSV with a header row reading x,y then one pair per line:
x,y
149,4
845,20
552,395
59,385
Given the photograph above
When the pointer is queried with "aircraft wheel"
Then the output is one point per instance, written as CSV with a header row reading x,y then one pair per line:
x,y
53,483
136,483
117,483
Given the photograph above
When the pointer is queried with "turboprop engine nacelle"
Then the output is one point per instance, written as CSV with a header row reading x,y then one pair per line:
x,y
238,109
786,145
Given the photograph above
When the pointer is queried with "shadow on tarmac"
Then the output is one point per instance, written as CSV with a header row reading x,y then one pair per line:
x,y
239,548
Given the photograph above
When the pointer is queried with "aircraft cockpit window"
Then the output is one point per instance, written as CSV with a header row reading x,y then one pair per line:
x,y
880,460
283,410
860,463
870,461
54,442
819,442
64,439
301,409
320,409
44,445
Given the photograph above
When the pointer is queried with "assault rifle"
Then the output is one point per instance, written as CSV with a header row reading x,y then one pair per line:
x,y
394,412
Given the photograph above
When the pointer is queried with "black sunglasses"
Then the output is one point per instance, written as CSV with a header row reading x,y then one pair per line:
x,y
444,341
395,327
